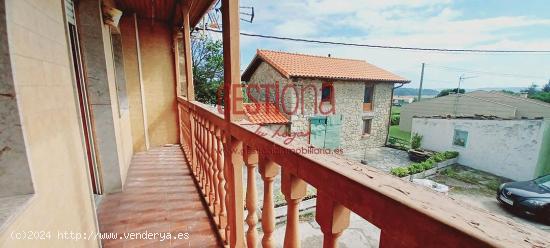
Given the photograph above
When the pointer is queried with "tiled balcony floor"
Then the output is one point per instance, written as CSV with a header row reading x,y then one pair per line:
x,y
159,197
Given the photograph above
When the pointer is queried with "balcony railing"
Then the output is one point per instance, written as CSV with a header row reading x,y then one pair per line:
x,y
408,215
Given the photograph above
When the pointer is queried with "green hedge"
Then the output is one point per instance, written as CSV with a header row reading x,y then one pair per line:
x,y
394,119
426,165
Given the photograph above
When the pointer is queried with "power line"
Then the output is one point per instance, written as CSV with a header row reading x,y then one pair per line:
x,y
383,46
435,80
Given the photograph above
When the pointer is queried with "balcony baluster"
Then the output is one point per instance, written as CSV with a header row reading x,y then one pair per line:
x,y
294,190
214,154
268,170
221,184
251,161
333,219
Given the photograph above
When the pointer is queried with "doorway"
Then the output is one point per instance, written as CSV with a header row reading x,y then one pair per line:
x,y
82,96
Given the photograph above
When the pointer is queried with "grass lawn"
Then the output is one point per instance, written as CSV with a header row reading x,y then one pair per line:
x,y
397,133
395,110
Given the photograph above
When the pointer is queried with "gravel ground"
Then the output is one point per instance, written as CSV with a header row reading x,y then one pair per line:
x,y
478,189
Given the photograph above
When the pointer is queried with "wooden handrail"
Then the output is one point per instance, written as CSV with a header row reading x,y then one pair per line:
x,y
408,215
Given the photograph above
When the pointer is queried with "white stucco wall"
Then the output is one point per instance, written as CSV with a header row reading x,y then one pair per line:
x,y
508,148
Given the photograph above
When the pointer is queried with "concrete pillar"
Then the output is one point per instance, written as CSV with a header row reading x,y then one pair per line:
x,y
15,176
92,33
119,72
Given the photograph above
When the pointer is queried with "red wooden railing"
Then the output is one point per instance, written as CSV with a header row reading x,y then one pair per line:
x,y
408,215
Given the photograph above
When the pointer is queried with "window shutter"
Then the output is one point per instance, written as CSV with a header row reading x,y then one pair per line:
x,y
317,131
334,126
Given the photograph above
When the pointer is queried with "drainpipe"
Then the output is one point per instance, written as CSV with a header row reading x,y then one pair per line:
x,y
389,119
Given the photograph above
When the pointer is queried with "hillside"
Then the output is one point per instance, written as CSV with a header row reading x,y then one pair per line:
x,y
513,89
414,92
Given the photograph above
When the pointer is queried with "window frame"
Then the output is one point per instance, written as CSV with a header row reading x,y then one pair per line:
x,y
370,95
455,136
329,97
367,131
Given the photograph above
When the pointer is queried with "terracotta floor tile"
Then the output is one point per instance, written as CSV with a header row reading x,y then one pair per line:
x,y
159,196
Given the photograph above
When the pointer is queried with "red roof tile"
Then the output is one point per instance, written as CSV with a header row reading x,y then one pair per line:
x,y
309,66
264,113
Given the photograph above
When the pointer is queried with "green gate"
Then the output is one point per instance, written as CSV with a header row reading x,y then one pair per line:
x,y
325,131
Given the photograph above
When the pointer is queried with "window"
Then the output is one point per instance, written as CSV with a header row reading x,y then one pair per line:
x,y
326,92
367,123
367,98
460,138
369,90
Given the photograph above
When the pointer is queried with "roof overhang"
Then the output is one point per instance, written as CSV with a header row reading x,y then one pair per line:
x,y
169,11
258,59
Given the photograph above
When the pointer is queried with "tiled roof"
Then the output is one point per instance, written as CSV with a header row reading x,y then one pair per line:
x,y
264,113
478,117
309,66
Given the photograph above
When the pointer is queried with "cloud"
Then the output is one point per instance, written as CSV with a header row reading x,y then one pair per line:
x,y
413,23
296,28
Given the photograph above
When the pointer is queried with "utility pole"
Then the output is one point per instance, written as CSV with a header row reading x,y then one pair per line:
x,y
460,79
459,82
421,80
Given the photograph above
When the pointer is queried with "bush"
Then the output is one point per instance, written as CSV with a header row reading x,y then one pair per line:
x,y
400,171
423,166
428,164
395,120
416,141
439,157
416,168
450,154
542,96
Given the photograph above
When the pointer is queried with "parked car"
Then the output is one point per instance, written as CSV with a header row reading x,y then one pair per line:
x,y
529,197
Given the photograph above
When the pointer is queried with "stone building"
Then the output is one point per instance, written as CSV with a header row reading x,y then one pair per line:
x,y
341,103
103,143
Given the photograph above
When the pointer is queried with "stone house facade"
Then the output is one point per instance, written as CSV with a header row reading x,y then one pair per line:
x,y
364,122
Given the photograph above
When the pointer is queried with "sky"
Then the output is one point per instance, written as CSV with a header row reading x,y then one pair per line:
x,y
458,24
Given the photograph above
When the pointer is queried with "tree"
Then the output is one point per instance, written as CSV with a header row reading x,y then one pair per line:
x,y
533,89
542,96
207,68
534,93
509,92
546,88
446,92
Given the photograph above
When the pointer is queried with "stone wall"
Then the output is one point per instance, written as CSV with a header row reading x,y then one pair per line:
x,y
348,103
263,75
380,116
